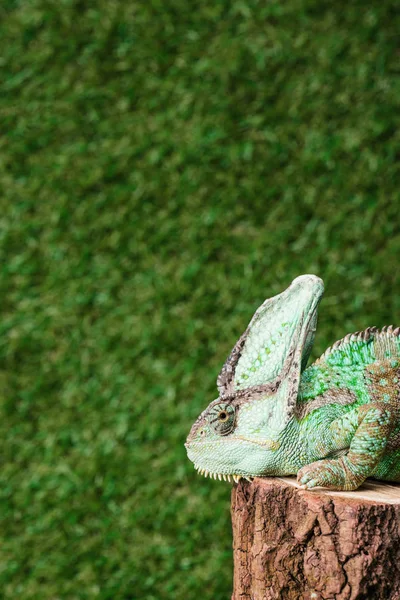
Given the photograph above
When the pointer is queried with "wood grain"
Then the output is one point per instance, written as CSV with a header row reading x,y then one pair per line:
x,y
293,544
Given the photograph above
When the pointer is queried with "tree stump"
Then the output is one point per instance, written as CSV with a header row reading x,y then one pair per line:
x,y
293,544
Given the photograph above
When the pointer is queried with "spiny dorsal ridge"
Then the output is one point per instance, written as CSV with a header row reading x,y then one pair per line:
x,y
361,336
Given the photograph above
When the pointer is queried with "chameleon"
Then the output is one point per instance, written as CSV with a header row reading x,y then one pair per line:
x,y
334,423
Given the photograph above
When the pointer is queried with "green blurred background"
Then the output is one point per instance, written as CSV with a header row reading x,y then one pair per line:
x,y
165,166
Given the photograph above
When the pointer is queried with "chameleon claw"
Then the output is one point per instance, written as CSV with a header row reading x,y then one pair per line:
x,y
312,484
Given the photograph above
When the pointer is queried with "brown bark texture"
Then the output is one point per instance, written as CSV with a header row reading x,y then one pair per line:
x,y
293,544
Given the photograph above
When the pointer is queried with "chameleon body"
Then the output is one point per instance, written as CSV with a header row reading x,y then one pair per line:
x,y
334,423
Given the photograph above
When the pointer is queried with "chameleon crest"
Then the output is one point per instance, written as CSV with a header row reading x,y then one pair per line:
x,y
334,423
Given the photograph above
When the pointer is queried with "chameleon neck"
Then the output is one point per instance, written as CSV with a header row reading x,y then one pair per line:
x,y
312,436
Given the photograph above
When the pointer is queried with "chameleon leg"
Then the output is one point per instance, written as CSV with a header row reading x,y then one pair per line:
x,y
366,449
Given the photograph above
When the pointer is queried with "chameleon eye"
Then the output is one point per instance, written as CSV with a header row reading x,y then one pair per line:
x,y
223,419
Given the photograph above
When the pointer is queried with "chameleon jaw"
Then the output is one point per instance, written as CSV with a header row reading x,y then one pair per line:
x,y
221,476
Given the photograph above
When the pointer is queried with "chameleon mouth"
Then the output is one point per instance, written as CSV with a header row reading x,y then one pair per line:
x,y
230,477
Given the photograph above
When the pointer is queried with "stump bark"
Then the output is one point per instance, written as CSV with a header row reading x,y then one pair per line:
x,y
293,544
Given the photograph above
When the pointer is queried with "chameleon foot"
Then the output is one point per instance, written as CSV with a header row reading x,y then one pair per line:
x,y
332,474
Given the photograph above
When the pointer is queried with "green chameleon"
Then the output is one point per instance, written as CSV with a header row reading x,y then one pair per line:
x,y
334,424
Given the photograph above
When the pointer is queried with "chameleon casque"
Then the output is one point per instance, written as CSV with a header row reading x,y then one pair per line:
x,y
334,423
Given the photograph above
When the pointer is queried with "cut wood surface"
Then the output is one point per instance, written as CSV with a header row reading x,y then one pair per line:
x,y
294,544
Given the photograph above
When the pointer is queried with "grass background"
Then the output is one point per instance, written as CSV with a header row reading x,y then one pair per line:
x,y
165,166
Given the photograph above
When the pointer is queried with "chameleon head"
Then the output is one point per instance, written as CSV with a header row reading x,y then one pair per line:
x,y
235,436
240,433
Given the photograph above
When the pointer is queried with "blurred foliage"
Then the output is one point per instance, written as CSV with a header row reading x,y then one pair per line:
x,y
165,166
